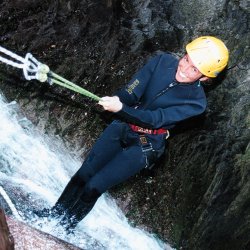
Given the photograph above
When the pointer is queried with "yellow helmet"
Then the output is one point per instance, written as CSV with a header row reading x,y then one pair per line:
x,y
209,55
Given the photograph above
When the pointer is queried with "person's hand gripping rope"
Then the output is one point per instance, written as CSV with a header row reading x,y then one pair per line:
x,y
111,103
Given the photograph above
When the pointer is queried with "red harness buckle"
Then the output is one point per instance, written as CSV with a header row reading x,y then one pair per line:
x,y
148,131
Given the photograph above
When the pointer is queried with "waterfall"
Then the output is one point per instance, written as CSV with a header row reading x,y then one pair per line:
x,y
34,169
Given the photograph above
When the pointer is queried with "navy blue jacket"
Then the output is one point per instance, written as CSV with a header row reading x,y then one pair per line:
x,y
154,99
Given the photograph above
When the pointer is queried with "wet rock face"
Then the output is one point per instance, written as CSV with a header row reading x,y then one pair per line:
x,y
198,197
27,237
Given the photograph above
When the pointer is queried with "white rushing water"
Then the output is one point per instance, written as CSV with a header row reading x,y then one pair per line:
x,y
39,167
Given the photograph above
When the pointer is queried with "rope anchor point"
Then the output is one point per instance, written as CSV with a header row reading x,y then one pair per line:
x,y
33,69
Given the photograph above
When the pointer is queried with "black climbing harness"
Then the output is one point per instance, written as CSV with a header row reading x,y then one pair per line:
x,y
151,155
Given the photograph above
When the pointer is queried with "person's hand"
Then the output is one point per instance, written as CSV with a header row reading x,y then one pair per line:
x,y
111,103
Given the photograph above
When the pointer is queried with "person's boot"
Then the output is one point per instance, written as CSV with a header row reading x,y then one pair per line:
x,y
67,199
80,210
69,196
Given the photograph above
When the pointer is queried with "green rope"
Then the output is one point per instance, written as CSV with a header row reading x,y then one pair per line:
x,y
70,85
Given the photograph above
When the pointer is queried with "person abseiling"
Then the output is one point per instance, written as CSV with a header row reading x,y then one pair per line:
x,y
164,92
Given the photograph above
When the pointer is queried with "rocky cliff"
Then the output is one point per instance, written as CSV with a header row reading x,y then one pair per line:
x,y
198,196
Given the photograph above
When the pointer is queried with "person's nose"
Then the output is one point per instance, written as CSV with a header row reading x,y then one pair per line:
x,y
185,67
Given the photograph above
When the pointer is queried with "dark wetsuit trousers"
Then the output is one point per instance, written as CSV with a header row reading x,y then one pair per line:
x,y
116,156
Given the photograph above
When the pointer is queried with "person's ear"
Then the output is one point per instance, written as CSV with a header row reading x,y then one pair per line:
x,y
204,78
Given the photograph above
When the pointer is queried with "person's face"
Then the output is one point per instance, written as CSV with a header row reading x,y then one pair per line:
x,y
187,72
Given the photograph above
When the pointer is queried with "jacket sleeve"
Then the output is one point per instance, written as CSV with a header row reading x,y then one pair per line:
x,y
133,91
163,117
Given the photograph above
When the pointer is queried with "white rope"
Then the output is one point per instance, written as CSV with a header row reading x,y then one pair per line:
x,y
17,65
32,68
11,54
10,204
24,61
